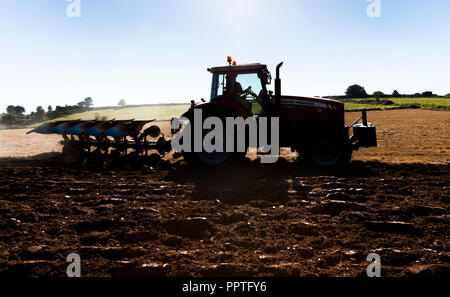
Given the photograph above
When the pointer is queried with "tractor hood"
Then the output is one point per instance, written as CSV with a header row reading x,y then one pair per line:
x,y
312,102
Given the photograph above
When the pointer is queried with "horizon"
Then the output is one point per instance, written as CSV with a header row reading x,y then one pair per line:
x,y
104,107
138,50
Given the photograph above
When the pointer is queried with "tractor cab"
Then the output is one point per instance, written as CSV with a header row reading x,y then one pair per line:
x,y
243,84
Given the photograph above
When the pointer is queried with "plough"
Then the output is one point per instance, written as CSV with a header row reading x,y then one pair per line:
x,y
105,138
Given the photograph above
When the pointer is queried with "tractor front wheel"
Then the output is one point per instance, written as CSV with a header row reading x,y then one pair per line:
x,y
328,150
212,158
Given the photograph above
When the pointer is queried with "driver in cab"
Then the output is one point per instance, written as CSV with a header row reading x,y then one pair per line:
x,y
237,94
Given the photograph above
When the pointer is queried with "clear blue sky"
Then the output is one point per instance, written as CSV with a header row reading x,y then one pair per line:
x,y
157,51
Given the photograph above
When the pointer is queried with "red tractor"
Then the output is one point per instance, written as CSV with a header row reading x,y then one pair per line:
x,y
314,127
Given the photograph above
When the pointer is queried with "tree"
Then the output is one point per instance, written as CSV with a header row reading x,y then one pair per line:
x,y
19,109
378,94
10,109
49,108
427,94
88,102
356,91
121,102
448,95
40,112
395,93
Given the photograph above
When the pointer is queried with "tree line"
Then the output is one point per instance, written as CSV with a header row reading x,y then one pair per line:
x,y
15,115
357,91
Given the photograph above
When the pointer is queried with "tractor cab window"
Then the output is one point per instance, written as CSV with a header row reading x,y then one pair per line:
x,y
217,86
253,93
251,85
246,89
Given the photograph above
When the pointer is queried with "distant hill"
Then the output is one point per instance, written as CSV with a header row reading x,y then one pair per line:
x,y
138,112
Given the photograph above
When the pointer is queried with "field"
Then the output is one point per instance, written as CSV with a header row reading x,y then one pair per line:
x,y
158,112
396,103
166,112
246,219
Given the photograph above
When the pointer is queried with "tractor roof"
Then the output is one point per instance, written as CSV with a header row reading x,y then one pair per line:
x,y
243,68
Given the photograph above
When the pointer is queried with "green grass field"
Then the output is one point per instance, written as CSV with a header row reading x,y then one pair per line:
x,y
355,106
372,103
424,102
158,112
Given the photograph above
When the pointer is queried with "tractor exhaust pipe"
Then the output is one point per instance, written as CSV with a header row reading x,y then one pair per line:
x,y
278,89
364,117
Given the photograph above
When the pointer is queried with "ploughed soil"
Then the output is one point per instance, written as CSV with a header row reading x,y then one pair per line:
x,y
243,219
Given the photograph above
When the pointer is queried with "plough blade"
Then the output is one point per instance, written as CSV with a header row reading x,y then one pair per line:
x,y
47,127
101,127
60,129
130,128
81,127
